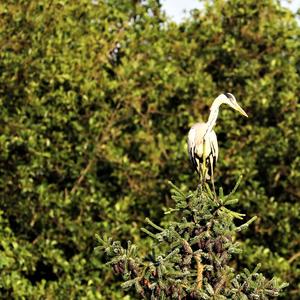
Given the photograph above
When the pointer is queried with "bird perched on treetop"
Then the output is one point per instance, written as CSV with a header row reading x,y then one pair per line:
x,y
202,140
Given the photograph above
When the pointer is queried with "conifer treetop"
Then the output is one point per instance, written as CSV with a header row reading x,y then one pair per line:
x,y
190,257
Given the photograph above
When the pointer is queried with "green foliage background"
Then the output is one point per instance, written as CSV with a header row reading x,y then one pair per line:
x,y
96,101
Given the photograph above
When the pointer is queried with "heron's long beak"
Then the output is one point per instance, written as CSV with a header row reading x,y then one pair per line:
x,y
240,110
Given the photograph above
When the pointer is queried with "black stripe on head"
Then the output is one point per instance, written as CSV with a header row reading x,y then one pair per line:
x,y
229,96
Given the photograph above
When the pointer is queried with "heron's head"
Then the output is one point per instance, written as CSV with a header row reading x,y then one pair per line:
x,y
229,99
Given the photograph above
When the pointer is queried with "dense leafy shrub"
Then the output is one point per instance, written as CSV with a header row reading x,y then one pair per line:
x,y
96,100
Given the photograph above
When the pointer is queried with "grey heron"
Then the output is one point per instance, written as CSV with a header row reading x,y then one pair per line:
x,y
202,140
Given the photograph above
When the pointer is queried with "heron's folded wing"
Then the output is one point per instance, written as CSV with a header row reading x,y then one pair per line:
x,y
213,153
191,149
214,145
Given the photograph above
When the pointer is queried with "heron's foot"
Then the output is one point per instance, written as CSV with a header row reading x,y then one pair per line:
x,y
217,200
214,193
203,182
199,189
216,197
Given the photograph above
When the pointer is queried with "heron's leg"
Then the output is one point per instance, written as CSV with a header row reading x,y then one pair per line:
x,y
204,168
199,172
203,174
212,178
199,188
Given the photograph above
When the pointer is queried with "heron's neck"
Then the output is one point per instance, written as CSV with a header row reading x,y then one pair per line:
x,y
214,111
